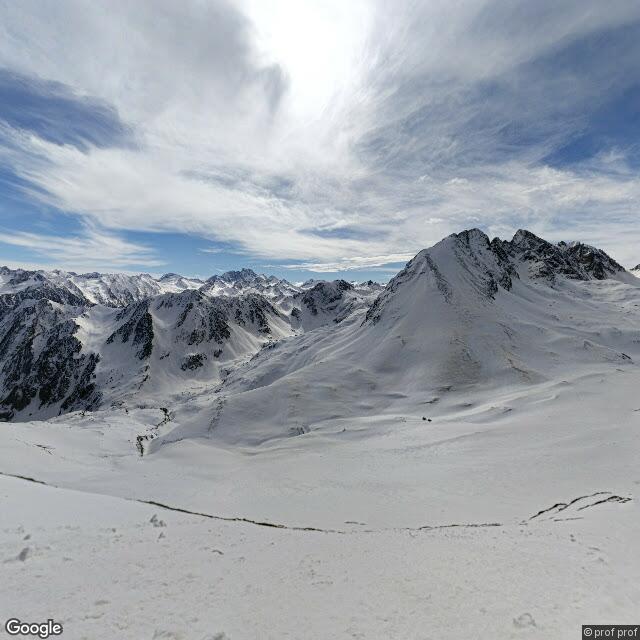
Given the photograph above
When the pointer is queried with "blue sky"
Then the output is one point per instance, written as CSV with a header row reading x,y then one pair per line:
x,y
312,139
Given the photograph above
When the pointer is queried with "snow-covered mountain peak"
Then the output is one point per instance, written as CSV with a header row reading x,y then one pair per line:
x,y
243,275
235,283
470,237
463,266
574,260
109,289
329,302
467,265
237,277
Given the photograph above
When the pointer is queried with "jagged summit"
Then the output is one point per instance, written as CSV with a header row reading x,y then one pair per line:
x,y
470,264
574,259
242,275
329,302
468,257
234,283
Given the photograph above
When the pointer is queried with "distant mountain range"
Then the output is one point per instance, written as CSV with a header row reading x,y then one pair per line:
x,y
467,311
70,341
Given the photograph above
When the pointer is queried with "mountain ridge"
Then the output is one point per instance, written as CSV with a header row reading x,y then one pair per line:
x,y
110,339
468,315
134,345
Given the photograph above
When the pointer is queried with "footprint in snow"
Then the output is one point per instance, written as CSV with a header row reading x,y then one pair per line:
x,y
21,557
523,621
156,522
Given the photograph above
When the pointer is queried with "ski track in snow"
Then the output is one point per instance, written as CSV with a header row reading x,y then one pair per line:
x,y
109,568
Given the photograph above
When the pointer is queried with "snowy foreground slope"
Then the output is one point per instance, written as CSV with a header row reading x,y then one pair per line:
x,y
458,458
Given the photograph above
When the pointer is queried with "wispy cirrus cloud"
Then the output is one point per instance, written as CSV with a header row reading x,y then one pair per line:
x,y
354,263
329,136
90,249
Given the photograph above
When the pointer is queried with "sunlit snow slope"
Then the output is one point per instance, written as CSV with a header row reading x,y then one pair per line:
x,y
453,455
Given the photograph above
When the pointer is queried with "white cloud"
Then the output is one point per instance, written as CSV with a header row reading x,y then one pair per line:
x,y
351,264
264,126
210,250
90,250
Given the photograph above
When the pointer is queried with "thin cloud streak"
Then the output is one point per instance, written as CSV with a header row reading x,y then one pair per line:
x,y
93,249
356,263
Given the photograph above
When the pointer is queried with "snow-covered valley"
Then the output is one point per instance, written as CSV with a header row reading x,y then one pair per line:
x,y
455,454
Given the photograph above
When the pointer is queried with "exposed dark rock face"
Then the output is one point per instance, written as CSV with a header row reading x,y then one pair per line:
x,y
194,361
43,291
575,260
207,319
252,310
42,362
243,275
594,262
138,327
325,296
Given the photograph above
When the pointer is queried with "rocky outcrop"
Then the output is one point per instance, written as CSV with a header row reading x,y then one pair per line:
x,y
42,364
